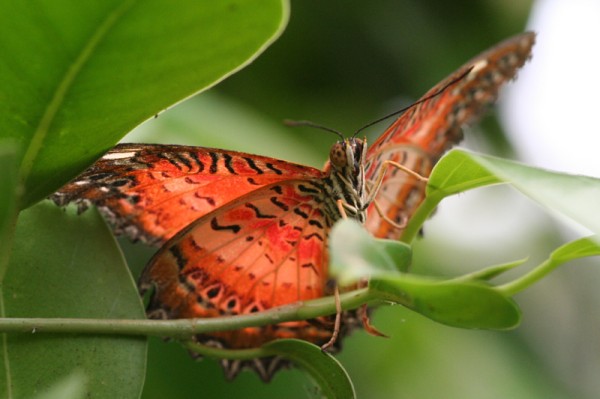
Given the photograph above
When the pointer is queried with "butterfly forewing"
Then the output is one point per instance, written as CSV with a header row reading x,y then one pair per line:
x,y
151,192
419,137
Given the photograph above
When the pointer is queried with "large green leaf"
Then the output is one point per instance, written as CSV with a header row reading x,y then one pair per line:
x,y
76,76
9,180
64,265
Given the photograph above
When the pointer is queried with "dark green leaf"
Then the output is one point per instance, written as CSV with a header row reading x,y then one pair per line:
x,y
327,372
64,265
9,181
76,76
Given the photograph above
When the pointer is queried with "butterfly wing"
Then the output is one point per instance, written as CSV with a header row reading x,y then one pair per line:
x,y
150,192
265,249
419,137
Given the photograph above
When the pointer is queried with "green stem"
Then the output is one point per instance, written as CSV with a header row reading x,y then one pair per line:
x,y
419,217
220,353
537,273
186,328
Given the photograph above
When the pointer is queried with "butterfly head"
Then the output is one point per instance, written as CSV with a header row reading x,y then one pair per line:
x,y
348,155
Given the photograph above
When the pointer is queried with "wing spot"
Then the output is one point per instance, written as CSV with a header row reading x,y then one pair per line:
x,y
314,222
214,291
252,165
273,168
231,304
200,164
314,235
306,189
214,224
118,155
279,204
258,213
228,165
209,200
179,258
214,159
299,212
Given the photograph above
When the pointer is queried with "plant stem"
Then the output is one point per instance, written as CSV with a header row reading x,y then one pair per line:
x,y
537,273
220,353
419,217
186,328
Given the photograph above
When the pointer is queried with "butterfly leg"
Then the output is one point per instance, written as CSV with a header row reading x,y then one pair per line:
x,y
336,294
363,313
386,164
337,323
387,219
340,206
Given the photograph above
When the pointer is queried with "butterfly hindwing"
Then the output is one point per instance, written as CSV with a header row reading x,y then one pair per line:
x,y
265,249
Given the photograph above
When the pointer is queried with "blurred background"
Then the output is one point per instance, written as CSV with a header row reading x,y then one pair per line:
x,y
344,64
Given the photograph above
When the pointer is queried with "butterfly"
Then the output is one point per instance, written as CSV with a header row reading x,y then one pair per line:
x,y
241,233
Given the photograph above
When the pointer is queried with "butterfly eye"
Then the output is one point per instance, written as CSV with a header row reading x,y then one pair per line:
x,y
337,155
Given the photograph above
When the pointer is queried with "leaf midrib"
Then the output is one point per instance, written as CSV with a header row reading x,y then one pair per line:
x,y
64,85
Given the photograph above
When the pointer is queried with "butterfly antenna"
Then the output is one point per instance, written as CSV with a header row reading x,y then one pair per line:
x,y
429,97
289,122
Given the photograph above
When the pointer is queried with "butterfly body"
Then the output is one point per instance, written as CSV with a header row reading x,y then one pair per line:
x,y
241,233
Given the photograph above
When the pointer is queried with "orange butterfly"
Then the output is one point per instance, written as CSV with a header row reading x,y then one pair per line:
x,y
241,233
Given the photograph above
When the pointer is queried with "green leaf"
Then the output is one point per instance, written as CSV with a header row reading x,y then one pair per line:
x,y
356,255
9,181
64,265
576,197
76,76
456,172
584,247
465,304
327,372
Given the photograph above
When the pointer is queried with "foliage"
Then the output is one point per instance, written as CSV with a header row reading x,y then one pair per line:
x,y
78,79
